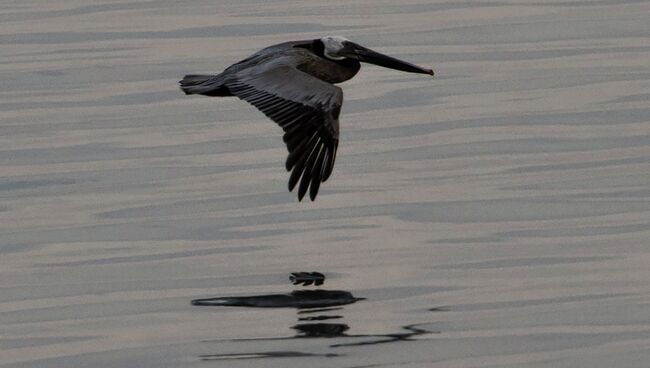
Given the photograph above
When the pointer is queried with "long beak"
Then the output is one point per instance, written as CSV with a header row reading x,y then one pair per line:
x,y
355,51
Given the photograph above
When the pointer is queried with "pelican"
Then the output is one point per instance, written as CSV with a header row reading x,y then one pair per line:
x,y
292,84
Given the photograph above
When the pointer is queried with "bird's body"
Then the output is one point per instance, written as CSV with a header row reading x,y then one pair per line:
x,y
292,84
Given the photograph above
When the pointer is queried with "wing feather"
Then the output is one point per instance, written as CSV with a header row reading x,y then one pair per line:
x,y
309,168
306,108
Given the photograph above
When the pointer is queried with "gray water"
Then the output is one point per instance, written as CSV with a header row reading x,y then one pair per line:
x,y
497,215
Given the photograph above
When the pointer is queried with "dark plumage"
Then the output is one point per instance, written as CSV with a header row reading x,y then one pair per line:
x,y
291,83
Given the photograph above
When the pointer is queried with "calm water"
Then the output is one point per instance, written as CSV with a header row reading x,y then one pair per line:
x,y
497,215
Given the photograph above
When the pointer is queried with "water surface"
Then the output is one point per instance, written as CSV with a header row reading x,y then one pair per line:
x,y
497,215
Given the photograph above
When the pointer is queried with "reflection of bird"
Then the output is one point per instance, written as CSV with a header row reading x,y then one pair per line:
x,y
321,329
291,83
301,299
307,278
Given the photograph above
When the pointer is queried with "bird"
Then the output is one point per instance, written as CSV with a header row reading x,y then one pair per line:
x,y
292,83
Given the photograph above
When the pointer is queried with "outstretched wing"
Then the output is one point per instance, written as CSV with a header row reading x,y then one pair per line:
x,y
307,109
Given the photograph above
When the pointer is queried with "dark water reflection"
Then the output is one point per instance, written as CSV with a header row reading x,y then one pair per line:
x,y
296,299
308,301
321,329
262,355
325,331
313,307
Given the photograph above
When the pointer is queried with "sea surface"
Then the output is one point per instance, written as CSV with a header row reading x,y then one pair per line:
x,y
497,215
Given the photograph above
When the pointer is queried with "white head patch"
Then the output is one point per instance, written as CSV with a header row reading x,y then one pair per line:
x,y
333,44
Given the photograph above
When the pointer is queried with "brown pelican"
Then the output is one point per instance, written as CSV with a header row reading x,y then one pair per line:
x,y
291,83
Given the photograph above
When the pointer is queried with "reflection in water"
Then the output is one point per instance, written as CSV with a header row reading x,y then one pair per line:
x,y
307,278
268,354
321,329
313,306
318,318
318,310
296,299
324,330
339,329
443,308
413,331
308,301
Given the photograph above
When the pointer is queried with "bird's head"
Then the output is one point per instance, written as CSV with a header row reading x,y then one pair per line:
x,y
340,48
333,46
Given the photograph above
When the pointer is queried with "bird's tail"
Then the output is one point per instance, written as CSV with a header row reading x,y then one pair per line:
x,y
200,84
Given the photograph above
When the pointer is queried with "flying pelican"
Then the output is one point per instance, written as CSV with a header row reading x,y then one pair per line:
x,y
292,84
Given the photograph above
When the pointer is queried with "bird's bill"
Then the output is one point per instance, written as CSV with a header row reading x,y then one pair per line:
x,y
354,51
